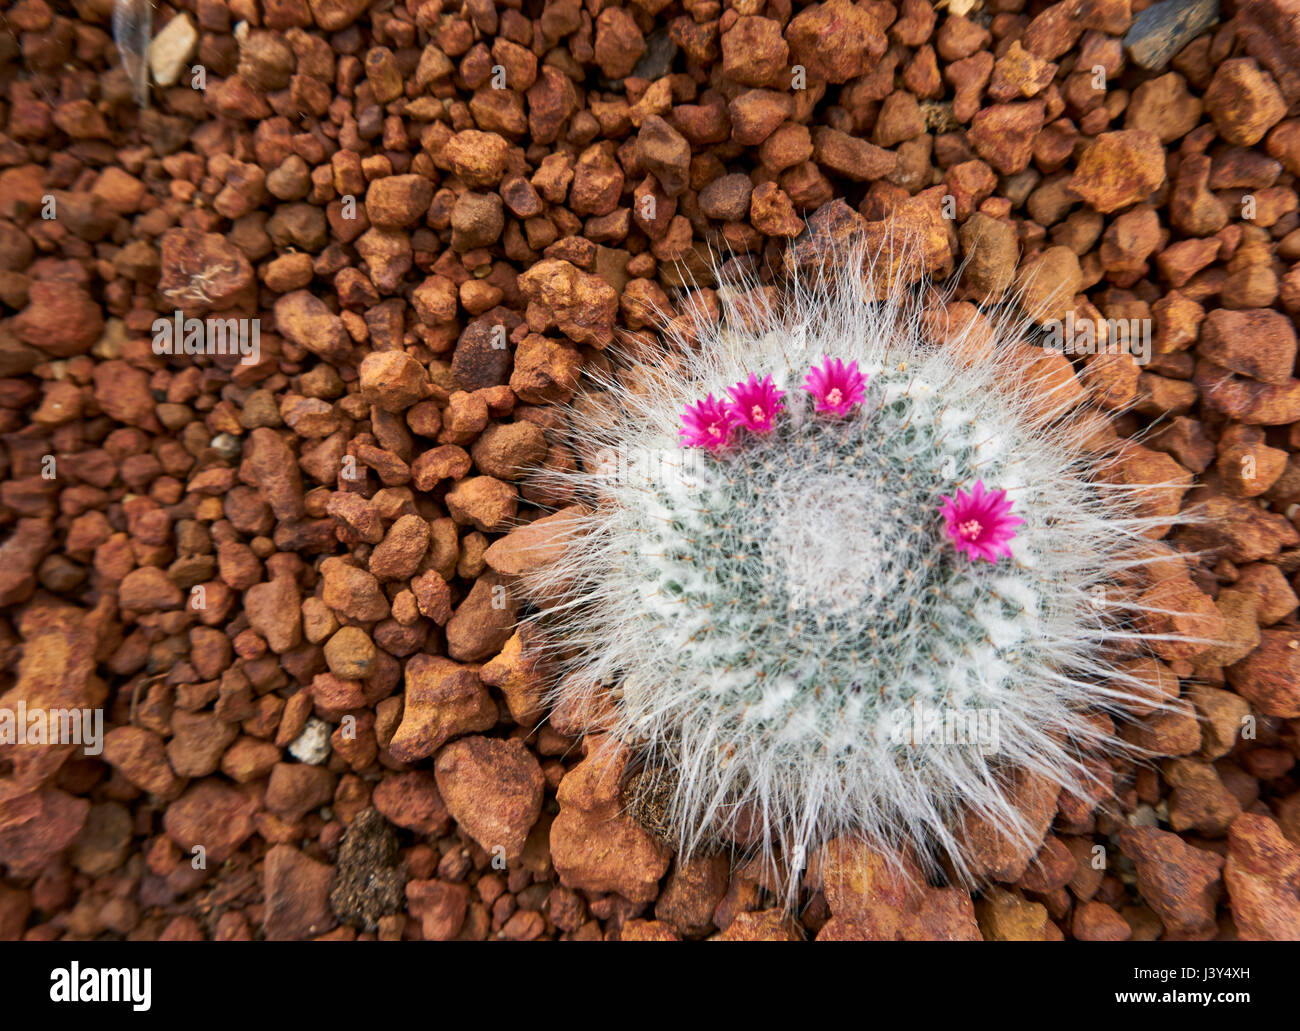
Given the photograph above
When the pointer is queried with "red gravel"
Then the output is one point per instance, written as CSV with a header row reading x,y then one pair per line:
x,y
285,576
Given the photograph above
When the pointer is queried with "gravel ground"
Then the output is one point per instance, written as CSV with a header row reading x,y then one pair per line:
x,y
284,577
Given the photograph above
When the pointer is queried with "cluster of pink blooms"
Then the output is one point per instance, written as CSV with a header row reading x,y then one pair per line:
x,y
978,522
754,404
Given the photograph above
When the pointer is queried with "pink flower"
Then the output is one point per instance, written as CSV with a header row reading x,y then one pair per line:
x,y
755,404
706,424
836,386
980,523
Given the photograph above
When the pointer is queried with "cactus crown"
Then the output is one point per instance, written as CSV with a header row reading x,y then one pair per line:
x,y
773,622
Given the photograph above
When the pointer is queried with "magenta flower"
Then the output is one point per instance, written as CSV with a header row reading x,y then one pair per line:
x,y
755,404
980,523
836,386
707,424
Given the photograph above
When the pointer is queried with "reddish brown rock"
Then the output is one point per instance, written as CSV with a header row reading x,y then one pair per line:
x,y
1003,134
411,800
204,272
493,789
595,846
398,200
483,622
139,755
393,380
1097,922
873,899
1176,880
1262,875
1243,101
582,306
443,700
274,611
835,41
1118,169
1006,916
486,502
296,889
439,907
1270,676
851,157
1259,343
36,826
213,816
303,318
664,152
60,319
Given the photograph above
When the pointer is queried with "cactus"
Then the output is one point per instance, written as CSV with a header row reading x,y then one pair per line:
x,y
769,621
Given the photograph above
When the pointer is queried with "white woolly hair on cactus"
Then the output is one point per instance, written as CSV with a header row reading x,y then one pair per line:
x,y
767,625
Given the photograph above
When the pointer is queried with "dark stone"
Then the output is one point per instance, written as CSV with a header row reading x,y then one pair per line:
x,y
1161,31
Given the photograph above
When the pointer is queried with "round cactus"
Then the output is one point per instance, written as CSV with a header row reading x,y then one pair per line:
x,y
844,567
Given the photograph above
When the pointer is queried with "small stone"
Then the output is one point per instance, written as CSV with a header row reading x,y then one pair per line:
x,y
595,846
60,319
312,745
296,789
483,622
753,51
1262,875
212,815
486,502
305,320
851,157
835,41
493,789
1097,922
509,451
1259,343
171,50
148,589
772,213
1199,801
546,371
393,380
350,653
619,43
1003,134
727,197
440,907
1270,676
664,153
1119,168
1006,916
1176,880
443,700
275,611
399,554
1271,31
581,305
1160,31
1244,102
297,890
352,592
1048,283
411,800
